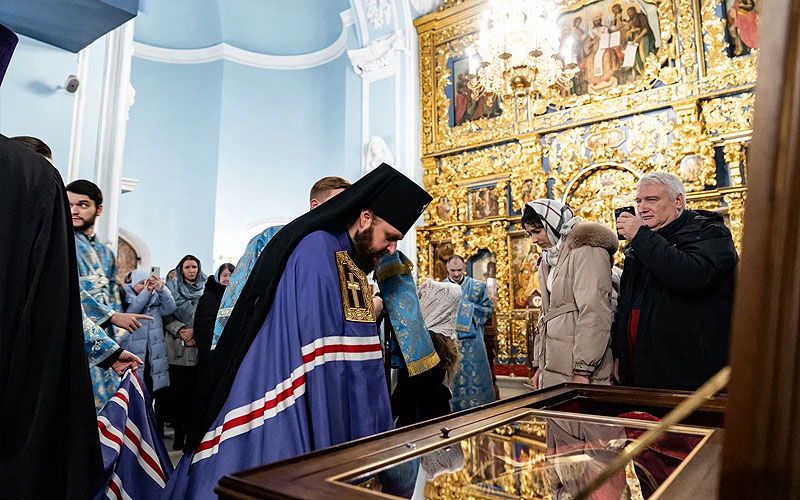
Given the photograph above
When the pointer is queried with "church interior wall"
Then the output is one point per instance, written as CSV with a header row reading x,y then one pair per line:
x,y
172,149
280,132
382,111
220,149
33,100
30,101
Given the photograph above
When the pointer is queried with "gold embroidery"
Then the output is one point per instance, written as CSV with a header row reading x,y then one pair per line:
x,y
356,299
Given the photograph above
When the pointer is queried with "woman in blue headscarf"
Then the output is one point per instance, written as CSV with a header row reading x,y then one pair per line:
x,y
187,288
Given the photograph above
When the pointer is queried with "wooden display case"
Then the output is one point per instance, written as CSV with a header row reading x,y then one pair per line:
x,y
525,447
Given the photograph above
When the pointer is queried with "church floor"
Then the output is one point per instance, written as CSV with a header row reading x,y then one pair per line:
x,y
169,438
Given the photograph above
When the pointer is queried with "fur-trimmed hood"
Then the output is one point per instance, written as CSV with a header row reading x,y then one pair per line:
x,y
592,234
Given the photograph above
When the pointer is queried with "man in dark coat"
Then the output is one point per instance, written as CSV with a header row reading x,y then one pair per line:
x,y
676,295
50,446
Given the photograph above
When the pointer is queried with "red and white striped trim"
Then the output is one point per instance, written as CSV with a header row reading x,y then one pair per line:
x,y
250,416
132,438
115,491
109,435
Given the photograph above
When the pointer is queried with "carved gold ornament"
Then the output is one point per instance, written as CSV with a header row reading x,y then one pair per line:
x,y
356,291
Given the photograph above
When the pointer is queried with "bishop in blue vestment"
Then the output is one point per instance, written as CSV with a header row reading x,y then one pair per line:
x,y
306,370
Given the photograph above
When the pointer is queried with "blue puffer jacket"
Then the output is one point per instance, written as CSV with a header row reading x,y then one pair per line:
x,y
148,340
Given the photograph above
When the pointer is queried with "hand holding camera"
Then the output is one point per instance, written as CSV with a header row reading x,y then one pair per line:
x,y
628,223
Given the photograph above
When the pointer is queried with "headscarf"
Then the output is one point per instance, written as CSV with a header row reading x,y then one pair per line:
x,y
223,267
558,220
186,295
439,303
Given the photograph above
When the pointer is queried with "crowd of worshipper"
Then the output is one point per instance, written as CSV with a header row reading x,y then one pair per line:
x,y
320,334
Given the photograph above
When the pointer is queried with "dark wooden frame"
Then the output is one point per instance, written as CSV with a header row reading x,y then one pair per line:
x,y
310,476
763,461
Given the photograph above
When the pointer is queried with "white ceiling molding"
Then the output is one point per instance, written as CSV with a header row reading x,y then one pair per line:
x,y
246,57
380,58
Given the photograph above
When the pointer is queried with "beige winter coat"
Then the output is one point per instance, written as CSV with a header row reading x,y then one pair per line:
x,y
574,329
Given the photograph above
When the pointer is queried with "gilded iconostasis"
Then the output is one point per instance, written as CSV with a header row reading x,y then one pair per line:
x,y
661,85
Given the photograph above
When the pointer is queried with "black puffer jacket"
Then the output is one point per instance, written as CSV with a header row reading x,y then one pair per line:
x,y
685,272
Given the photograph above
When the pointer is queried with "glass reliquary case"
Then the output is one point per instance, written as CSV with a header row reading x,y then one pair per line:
x,y
546,445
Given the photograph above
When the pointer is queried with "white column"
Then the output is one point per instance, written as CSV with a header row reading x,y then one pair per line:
x,y
78,111
113,124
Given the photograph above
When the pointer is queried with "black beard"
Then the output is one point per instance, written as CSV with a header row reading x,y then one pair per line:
x,y
363,258
87,224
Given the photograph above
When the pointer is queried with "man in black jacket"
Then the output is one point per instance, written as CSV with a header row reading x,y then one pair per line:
x,y
674,311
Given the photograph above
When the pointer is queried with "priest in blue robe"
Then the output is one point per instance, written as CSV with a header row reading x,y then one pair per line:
x,y
473,385
305,371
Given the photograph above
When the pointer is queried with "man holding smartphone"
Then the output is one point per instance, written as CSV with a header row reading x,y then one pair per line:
x,y
674,311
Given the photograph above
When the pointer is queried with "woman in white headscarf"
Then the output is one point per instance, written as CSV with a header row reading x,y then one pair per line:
x,y
573,340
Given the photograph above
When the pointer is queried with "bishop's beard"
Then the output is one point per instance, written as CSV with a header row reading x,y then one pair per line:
x,y
363,256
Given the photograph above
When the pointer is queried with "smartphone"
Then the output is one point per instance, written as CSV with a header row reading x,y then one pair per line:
x,y
620,210
155,271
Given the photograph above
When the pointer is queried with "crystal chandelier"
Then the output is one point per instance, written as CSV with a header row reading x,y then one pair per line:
x,y
518,49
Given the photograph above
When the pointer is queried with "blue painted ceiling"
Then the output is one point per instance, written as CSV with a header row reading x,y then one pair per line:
x,y
276,27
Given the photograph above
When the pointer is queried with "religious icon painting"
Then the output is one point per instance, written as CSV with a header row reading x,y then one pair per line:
x,y
442,251
483,203
742,26
465,107
525,288
482,266
444,208
610,41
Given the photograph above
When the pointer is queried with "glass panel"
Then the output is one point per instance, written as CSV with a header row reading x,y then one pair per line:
x,y
535,458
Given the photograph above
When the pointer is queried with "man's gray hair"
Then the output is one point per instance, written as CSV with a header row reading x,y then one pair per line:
x,y
671,182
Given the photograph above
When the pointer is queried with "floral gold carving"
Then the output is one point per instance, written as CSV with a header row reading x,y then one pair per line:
x,y
728,116
735,201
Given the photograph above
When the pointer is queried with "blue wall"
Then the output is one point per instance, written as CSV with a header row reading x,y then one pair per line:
x,y
172,148
31,102
280,132
219,149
